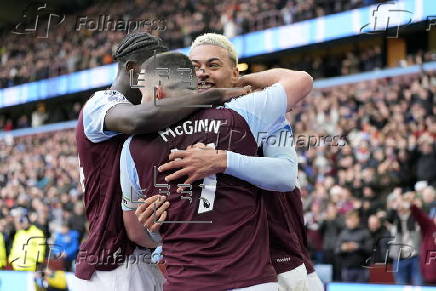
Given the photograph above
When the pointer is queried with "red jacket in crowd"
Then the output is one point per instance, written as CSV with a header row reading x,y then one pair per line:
x,y
428,245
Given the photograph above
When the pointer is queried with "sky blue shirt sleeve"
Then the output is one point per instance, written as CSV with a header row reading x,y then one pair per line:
x,y
277,170
131,189
94,113
261,110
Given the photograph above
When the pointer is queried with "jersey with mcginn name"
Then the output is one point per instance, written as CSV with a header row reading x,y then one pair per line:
x,y
191,127
216,235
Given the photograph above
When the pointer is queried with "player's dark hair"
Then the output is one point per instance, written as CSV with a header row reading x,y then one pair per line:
x,y
138,47
170,60
169,67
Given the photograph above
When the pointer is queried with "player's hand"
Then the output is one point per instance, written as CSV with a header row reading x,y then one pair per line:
x,y
196,162
151,211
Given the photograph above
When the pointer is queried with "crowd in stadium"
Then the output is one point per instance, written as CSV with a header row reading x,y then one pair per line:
x,y
39,186
377,183
74,45
390,128
370,180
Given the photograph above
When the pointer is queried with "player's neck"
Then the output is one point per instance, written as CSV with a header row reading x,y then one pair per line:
x,y
122,85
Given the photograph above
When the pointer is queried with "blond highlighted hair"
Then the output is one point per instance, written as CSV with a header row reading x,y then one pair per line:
x,y
217,40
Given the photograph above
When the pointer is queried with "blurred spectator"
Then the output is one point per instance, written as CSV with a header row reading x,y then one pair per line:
x,y
9,125
314,236
23,122
428,246
50,280
428,201
78,220
405,248
66,245
3,258
380,237
425,169
353,248
330,228
39,116
28,247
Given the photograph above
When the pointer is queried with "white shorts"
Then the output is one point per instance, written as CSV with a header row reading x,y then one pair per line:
x,y
315,282
271,286
135,274
294,280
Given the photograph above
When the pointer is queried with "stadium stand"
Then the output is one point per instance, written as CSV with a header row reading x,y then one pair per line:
x,y
63,52
367,146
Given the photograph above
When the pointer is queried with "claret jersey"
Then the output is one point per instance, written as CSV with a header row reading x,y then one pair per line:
x,y
216,235
99,154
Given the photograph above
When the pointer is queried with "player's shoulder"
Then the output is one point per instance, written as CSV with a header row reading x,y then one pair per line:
x,y
257,98
104,97
218,113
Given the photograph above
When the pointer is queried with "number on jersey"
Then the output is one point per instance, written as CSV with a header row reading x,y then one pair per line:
x,y
207,196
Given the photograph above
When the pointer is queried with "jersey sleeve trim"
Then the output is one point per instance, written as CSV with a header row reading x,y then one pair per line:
x,y
129,180
94,114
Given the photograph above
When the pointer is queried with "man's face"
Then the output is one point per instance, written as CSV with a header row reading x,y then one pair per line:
x,y
352,221
373,223
213,67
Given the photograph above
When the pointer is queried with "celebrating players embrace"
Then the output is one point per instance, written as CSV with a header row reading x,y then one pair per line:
x,y
232,217
227,253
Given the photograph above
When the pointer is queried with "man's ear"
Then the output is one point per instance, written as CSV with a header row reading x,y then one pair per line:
x,y
235,76
131,65
159,92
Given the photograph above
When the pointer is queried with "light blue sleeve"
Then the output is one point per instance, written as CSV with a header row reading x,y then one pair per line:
x,y
94,113
261,110
131,189
277,170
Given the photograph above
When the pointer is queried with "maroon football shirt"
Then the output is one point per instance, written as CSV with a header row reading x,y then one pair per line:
x,y
288,237
232,250
107,243
295,207
285,245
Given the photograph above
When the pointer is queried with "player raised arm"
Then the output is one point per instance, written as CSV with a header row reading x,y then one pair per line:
x,y
276,171
119,109
147,117
215,59
297,84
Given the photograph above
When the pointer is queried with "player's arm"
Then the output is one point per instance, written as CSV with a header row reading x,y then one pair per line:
x,y
421,217
136,231
131,193
147,117
297,84
277,170
263,111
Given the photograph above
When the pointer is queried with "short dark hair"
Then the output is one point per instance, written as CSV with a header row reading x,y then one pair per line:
x,y
171,60
138,47
175,63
